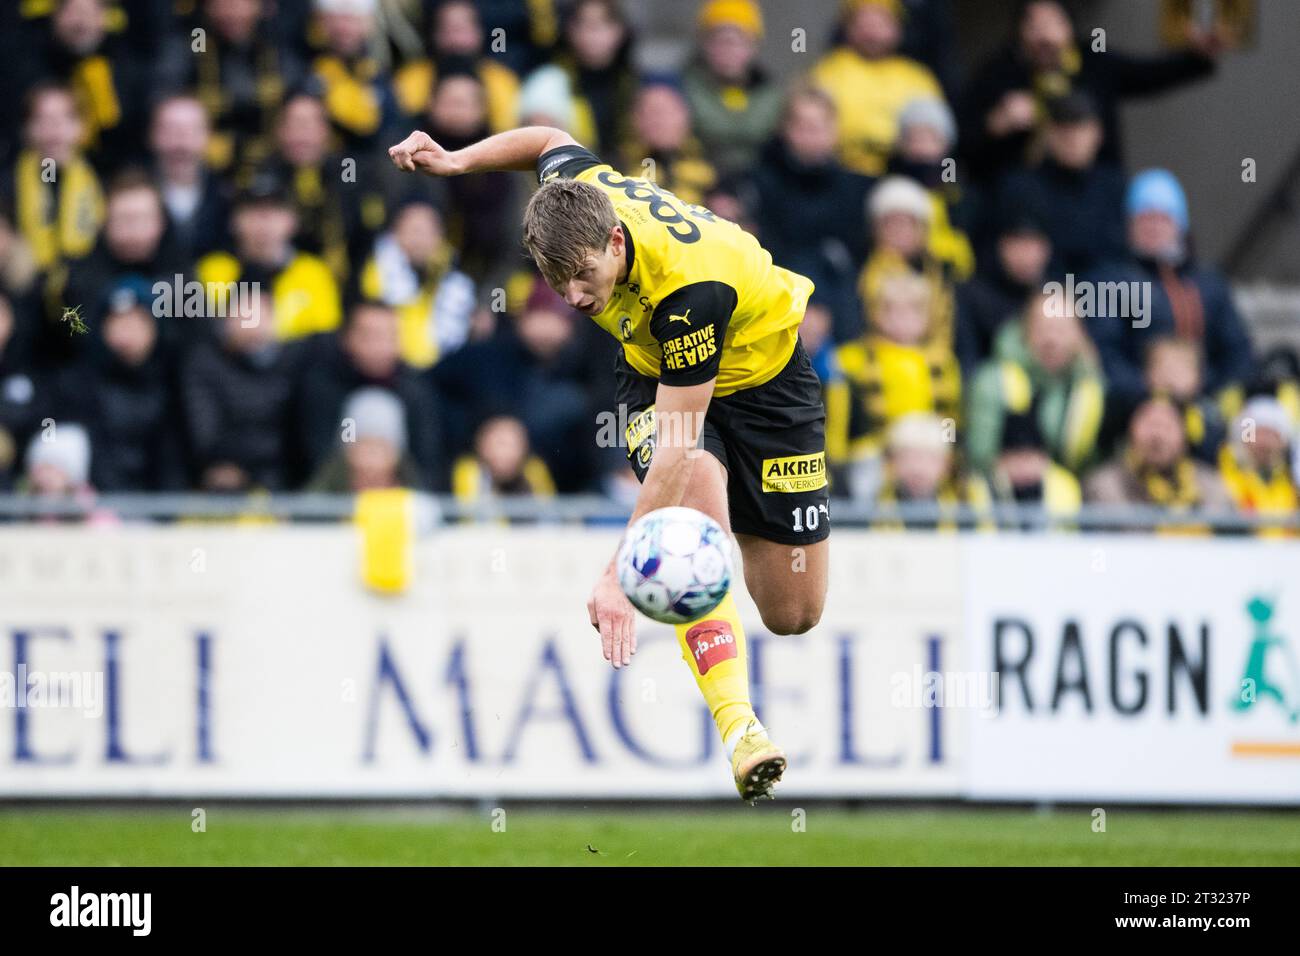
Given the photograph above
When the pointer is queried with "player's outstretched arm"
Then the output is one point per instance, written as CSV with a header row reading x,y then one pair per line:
x,y
516,149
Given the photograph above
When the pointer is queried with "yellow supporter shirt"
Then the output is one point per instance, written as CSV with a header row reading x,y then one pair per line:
x,y
869,95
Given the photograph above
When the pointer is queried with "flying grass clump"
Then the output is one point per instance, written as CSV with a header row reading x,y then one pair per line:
x,y
72,316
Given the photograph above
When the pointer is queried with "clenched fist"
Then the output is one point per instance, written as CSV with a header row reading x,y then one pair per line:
x,y
419,152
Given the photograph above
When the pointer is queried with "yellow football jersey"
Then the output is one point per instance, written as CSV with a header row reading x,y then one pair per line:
x,y
701,297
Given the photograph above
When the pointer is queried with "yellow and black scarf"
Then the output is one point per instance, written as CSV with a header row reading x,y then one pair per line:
x,y
60,219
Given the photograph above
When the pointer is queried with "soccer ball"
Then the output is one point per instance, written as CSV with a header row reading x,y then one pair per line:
x,y
675,565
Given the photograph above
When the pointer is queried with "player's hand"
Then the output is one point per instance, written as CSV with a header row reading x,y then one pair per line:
x,y
419,152
613,615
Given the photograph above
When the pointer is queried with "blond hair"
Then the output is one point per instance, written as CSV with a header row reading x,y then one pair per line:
x,y
565,221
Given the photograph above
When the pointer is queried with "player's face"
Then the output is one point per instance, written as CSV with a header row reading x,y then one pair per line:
x,y
591,287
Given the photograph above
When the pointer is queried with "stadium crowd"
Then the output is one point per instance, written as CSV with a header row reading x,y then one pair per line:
x,y
395,335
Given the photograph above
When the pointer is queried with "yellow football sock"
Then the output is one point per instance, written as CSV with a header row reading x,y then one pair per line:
x,y
714,647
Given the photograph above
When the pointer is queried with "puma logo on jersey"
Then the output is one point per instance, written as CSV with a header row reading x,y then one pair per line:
x,y
681,318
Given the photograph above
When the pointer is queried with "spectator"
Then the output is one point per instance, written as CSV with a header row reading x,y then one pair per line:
x,y
480,210
531,25
546,371
922,487
1082,197
18,274
664,149
20,398
815,334
1020,253
55,194
596,52
412,270
240,77
131,244
1186,299
58,464
375,455
930,37
1174,370
896,369
734,104
196,200
124,392
104,75
338,216
355,88
871,83
1044,369
809,206
457,42
1044,59
364,353
926,134
502,464
1277,374
1256,464
305,294
901,212
1024,474
732,199
236,400
1155,468
546,99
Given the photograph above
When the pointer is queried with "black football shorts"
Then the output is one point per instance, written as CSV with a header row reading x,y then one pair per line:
x,y
770,438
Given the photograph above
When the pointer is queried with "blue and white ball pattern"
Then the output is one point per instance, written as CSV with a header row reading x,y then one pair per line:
x,y
675,565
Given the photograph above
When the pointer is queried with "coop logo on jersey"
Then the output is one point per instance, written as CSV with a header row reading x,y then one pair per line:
x,y
795,473
690,349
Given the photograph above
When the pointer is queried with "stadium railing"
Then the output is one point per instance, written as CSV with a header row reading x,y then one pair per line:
x,y
596,510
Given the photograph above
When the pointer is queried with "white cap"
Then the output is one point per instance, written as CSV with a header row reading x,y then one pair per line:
x,y
364,7
899,194
66,447
547,92
377,413
1264,411
929,111
919,431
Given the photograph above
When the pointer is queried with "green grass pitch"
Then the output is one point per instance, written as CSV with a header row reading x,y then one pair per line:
x,y
573,836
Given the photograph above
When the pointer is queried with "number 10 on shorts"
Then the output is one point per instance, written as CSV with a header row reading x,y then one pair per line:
x,y
807,519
